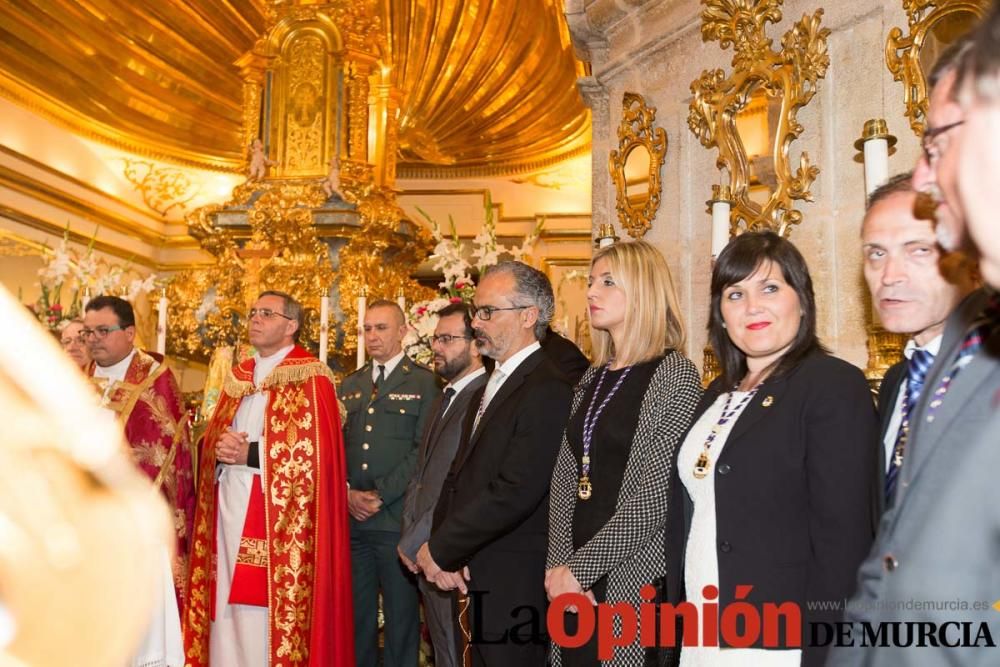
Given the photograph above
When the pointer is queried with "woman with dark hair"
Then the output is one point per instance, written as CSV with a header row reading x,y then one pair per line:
x,y
776,471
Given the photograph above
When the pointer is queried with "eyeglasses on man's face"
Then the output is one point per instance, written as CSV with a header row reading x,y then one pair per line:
x,y
265,314
485,313
445,339
100,332
929,143
78,339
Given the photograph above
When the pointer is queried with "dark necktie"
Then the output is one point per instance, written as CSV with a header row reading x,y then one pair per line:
x,y
917,366
449,393
379,381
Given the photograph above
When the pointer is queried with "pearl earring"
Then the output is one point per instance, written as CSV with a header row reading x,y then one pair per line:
x,y
723,325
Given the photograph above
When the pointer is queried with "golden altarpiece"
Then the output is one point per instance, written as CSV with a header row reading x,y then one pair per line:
x,y
318,213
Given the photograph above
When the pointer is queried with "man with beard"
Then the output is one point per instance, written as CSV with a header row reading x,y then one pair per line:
x,y
490,531
456,359
907,562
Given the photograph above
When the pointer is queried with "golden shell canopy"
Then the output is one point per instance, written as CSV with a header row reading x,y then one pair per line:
x,y
488,86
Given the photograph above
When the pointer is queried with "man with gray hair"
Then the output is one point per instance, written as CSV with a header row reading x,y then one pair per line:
x,y
490,530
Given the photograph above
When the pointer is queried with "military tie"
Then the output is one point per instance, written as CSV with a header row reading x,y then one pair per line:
x,y
379,381
917,366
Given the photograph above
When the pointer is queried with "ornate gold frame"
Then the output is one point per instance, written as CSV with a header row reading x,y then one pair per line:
x,y
790,75
902,54
636,129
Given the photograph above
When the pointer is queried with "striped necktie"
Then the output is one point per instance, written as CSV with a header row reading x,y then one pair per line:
x,y
917,366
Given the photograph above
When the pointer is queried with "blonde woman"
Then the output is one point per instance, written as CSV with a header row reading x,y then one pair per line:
x,y
608,497
71,339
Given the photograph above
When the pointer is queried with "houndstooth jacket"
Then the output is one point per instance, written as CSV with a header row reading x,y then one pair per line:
x,y
629,549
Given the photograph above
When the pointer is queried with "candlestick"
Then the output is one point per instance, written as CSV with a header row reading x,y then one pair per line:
x,y
161,324
362,303
721,205
605,236
324,325
86,299
401,300
876,143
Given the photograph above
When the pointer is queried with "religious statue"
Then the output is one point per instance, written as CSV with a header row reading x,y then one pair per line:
x,y
331,184
258,161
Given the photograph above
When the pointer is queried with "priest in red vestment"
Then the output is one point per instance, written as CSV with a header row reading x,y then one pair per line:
x,y
270,565
144,394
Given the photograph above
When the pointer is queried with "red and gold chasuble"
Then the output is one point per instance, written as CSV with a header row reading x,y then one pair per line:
x,y
149,405
294,554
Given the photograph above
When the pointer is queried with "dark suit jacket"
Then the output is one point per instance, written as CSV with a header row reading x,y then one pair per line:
x,y
792,490
437,451
492,513
888,394
566,355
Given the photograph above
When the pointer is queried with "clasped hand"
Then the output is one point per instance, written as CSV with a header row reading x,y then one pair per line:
x,y
561,580
363,505
232,447
446,581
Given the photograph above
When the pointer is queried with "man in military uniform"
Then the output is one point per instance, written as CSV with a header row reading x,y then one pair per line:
x,y
387,401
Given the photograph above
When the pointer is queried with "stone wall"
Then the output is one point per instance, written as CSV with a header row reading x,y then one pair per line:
x,y
654,47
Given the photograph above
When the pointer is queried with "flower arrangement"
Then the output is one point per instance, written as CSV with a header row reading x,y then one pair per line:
x,y
458,284
72,273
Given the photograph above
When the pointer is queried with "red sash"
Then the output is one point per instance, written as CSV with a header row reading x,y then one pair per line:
x,y
250,578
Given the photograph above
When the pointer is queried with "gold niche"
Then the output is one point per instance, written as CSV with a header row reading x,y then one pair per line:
x,y
317,213
933,25
635,166
775,83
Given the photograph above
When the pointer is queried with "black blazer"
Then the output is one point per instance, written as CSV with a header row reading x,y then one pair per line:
x,y
888,393
565,355
492,514
792,490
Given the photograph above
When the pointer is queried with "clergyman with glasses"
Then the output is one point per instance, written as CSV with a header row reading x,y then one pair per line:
x,y
458,361
388,401
144,395
270,564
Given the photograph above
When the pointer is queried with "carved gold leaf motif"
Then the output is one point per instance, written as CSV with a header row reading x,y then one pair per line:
x,y
787,79
636,132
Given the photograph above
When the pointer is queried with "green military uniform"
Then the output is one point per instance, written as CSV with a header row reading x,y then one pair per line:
x,y
382,436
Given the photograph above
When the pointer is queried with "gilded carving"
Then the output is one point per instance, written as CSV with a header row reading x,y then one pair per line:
x,y
306,99
787,79
162,188
636,133
940,21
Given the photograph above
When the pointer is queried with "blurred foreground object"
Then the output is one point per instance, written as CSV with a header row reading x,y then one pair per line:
x,y
81,532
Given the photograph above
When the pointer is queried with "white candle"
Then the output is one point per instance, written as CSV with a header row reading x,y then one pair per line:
x,y
720,227
86,299
324,326
161,326
605,242
876,163
362,302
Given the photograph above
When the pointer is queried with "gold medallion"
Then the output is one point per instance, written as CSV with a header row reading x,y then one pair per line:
x,y
701,466
584,488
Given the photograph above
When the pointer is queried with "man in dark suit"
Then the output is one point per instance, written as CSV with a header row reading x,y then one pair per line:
x,y
914,285
490,528
387,402
937,542
565,355
456,359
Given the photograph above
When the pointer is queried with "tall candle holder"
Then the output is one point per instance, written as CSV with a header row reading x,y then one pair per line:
x,y
605,236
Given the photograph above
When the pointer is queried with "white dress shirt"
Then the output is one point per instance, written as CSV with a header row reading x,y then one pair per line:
x,y
390,366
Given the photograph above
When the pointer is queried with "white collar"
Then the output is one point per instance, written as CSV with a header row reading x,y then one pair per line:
x,y
459,385
390,365
509,366
264,365
115,372
933,346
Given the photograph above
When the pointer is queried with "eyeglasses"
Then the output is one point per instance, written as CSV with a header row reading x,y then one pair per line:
x,y
445,339
929,141
100,332
265,313
79,339
485,313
